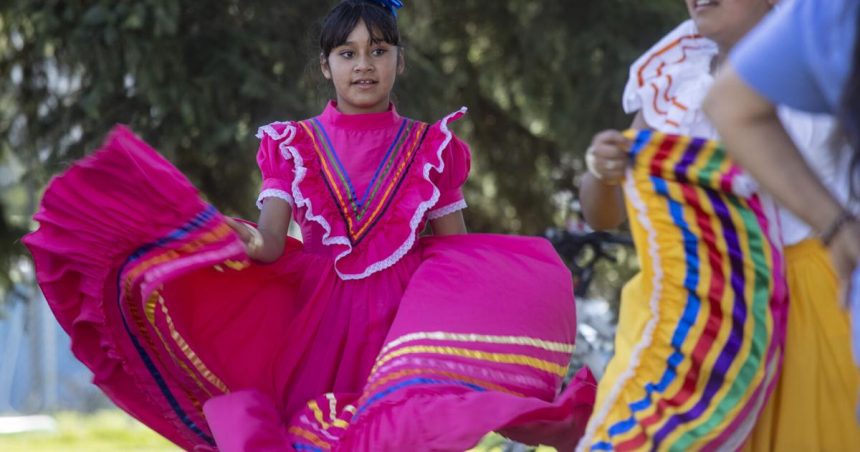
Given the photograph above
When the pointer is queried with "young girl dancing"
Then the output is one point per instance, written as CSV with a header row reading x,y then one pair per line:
x,y
366,336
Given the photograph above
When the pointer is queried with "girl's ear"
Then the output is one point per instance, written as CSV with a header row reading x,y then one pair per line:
x,y
324,67
401,61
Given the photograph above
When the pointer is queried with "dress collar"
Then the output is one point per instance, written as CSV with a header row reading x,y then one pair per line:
x,y
331,115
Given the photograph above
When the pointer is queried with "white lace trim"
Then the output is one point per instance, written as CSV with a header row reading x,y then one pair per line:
x,y
290,152
269,130
638,204
274,193
447,210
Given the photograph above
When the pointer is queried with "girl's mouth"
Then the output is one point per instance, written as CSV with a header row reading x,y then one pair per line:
x,y
704,3
364,82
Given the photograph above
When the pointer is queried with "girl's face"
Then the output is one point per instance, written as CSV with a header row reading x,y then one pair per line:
x,y
363,72
727,21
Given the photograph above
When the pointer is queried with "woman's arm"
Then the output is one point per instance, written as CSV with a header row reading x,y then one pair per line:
x,y
273,226
601,198
450,224
755,138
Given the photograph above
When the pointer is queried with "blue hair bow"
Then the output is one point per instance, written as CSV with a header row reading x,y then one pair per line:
x,y
391,5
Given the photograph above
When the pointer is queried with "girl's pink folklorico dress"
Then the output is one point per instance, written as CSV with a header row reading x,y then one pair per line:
x,y
364,337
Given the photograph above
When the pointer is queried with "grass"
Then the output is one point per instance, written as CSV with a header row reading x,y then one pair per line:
x,y
109,430
113,430
495,443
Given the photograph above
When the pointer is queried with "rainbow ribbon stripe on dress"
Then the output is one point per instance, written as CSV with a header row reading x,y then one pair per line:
x,y
712,306
182,379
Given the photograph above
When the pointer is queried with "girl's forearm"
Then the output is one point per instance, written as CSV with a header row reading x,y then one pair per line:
x,y
451,224
273,227
272,246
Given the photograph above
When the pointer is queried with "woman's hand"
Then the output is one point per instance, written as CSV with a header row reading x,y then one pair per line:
x,y
607,156
600,194
845,253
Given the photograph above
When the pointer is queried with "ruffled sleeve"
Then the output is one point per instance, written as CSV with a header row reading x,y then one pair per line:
x,y
457,160
276,165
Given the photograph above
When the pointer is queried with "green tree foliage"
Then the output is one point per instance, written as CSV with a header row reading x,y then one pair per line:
x,y
196,78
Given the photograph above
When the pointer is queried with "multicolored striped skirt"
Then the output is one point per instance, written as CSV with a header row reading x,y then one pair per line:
x,y
702,327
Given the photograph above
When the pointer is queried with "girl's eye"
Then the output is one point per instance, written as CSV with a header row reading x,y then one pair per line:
x,y
379,52
347,53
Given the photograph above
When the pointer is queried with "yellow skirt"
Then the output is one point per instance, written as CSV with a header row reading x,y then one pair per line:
x,y
813,405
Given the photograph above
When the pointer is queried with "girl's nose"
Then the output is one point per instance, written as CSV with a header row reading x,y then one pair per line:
x,y
363,64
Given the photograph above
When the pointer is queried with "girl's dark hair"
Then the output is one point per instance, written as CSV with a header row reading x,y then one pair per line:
x,y
342,19
849,116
